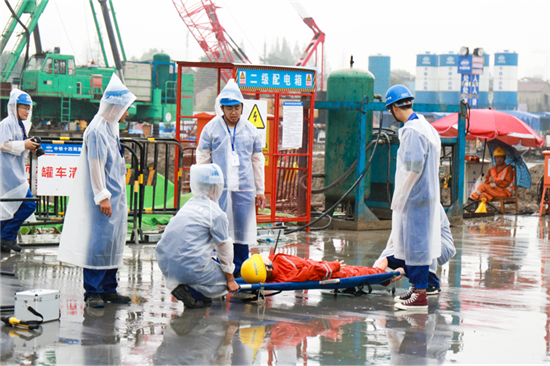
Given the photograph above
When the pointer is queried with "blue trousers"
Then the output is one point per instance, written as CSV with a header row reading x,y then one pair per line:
x,y
99,281
420,276
197,295
11,227
240,254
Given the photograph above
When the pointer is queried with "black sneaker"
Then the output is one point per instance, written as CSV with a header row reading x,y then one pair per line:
x,y
115,298
183,294
8,245
94,301
431,290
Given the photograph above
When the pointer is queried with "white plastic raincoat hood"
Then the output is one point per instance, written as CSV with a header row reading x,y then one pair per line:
x,y
232,91
207,181
90,239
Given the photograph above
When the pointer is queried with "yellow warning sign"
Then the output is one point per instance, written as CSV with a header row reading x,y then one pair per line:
x,y
309,81
242,78
256,118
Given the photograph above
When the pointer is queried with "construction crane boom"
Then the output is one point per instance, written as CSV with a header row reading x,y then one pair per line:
x,y
34,8
318,39
202,21
111,34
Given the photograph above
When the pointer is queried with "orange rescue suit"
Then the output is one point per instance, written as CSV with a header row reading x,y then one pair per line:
x,y
504,180
288,268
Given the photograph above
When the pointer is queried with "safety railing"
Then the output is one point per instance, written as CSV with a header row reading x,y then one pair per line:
x,y
161,171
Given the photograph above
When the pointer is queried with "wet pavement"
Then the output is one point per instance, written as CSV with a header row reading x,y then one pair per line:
x,y
494,309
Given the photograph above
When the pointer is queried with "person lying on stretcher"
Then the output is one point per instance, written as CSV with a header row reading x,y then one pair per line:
x,y
288,268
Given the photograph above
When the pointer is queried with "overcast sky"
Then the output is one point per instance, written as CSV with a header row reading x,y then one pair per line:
x,y
400,29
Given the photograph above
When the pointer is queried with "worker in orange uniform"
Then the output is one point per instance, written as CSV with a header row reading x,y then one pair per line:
x,y
288,268
499,181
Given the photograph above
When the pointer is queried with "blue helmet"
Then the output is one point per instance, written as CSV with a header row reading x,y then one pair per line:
x,y
24,98
229,101
399,95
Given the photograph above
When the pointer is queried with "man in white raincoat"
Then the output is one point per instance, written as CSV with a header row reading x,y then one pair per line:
x,y
94,232
233,143
416,229
14,147
184,253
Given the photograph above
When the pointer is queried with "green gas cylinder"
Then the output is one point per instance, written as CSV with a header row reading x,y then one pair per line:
x,y
346,85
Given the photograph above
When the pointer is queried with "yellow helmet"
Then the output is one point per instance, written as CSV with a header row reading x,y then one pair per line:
x,y
252,336
253,269
499,151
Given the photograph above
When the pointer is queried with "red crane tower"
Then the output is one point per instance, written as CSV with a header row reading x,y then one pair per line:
x,y
318,39
202,21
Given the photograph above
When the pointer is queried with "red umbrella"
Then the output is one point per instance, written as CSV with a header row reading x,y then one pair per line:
x,y
490,124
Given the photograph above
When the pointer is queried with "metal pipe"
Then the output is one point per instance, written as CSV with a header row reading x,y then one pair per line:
x,y
118,31
112,40
37,40
483,157
99,35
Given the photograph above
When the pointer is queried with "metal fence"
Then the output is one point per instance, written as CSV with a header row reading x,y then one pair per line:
x,y
154,176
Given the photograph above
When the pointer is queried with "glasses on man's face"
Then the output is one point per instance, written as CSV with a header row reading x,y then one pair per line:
x,y
232,109
269,267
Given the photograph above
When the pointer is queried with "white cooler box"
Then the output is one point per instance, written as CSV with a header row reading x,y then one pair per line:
x,y
45,302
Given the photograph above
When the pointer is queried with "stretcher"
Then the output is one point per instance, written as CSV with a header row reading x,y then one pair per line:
x,y
332,284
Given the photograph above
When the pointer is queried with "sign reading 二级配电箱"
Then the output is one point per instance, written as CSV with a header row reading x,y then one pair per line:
x,y
274,79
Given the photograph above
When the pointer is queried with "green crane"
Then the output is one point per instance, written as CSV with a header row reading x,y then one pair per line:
x,y
34,8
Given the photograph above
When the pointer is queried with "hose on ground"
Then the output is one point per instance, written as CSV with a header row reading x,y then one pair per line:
x,y
330,186
323,227
348,172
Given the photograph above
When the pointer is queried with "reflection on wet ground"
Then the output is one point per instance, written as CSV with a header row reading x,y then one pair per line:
x,y
494,309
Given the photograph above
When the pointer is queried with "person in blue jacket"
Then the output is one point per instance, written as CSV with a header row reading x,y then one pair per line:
x,y
14,147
